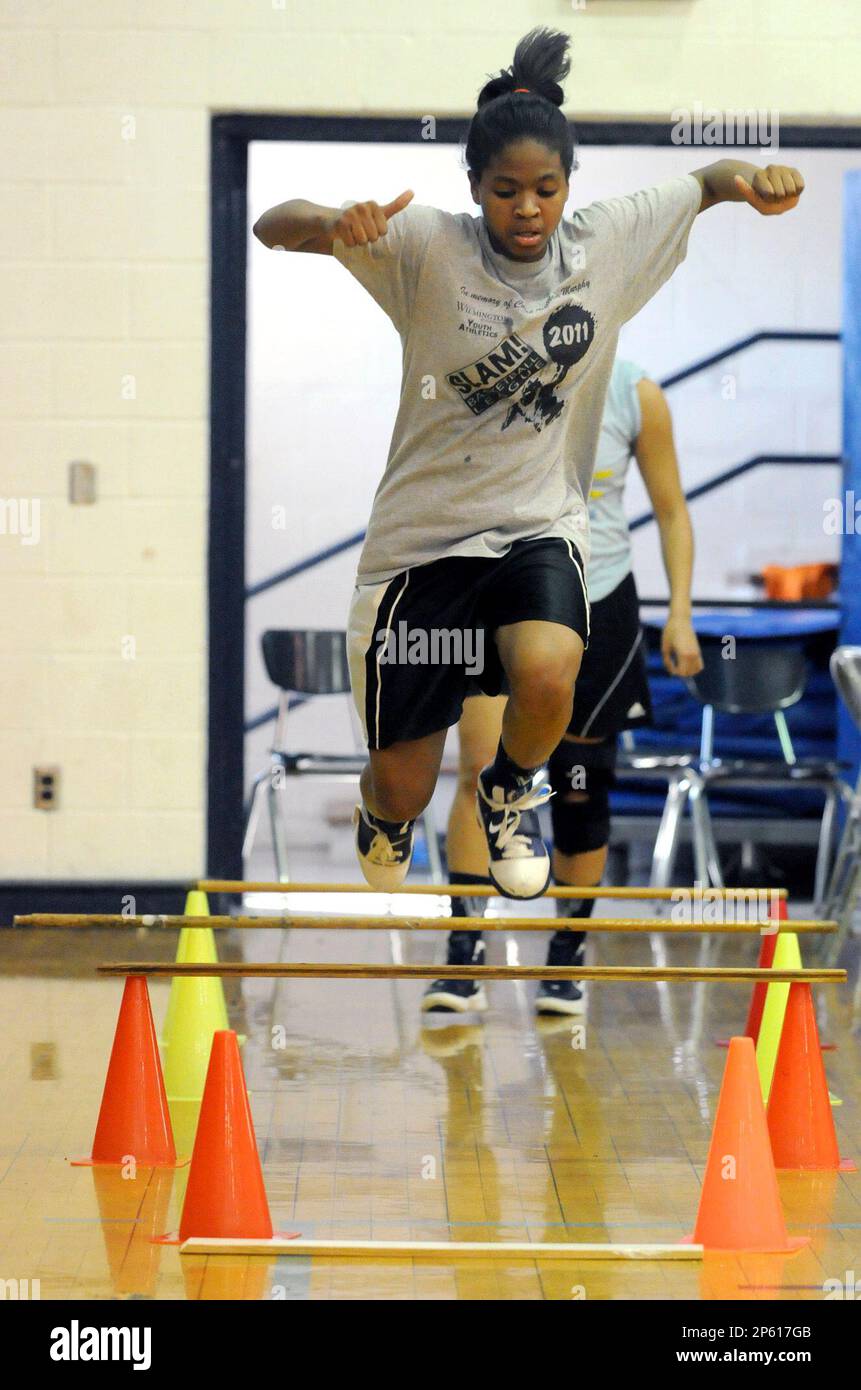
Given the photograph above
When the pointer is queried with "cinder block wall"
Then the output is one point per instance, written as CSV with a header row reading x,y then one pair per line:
x,y
104,130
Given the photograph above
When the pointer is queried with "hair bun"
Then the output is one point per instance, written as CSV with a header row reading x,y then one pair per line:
x,y
540,63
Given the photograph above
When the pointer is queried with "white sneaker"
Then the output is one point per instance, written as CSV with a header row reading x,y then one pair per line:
x,y
384,860
519,863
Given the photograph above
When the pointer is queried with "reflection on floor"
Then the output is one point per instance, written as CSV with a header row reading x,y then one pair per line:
x,y
375,1122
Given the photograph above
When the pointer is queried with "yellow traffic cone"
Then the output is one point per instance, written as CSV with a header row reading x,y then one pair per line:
x,y
787,956
196,905
196,1009
183,1117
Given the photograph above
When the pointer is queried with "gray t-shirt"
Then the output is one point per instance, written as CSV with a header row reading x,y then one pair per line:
x,y
610,539
505,369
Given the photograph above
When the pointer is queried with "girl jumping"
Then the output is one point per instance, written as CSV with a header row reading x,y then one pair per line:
x,y
508,322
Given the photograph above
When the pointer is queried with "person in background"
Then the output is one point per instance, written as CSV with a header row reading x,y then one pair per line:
x,y
611,694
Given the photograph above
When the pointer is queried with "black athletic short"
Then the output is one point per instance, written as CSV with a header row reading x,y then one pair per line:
x,y
612,691
416,643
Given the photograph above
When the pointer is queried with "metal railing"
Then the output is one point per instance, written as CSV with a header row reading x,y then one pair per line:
x,y
719,480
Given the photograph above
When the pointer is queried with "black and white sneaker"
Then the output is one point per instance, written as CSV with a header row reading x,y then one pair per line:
x,y
458,996
519,864
384,850
560,997
563,996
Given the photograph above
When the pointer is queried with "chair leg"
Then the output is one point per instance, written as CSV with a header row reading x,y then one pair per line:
x,y
706,862
707,730
698,844
783,734
850,843
845,882
279,838
823,853
844,914
667,838
253,815
715,865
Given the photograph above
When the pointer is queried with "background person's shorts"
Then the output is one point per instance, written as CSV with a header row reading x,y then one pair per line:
x,y
415,642
612,691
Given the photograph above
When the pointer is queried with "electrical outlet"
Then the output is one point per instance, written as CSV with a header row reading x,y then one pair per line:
x,y
82,483
46,788
44,1063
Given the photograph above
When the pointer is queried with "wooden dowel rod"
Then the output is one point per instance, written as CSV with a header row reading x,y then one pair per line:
x,y
439,1250
481,890
338,971
310,921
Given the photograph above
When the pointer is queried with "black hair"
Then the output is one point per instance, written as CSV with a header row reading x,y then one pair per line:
x,y
540,63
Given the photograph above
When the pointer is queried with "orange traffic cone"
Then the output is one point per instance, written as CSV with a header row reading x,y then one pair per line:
x,y
740,1204
800,1122
134,1121
767,943
225,1194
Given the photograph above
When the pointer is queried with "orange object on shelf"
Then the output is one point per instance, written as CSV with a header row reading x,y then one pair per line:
x,y
796,582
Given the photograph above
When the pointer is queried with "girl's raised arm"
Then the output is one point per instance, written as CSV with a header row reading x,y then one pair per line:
x,y
302,226
772,190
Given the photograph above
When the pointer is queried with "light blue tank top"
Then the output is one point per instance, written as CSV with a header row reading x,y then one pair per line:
x,y
611,541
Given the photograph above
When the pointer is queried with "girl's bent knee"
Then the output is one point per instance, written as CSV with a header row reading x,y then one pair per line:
x,y
399,798
542,687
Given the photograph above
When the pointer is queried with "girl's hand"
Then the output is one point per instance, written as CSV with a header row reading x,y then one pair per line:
x,y
774,189
680,648
366,222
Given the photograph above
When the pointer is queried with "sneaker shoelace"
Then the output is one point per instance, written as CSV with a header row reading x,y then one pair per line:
x,y
508,841
383,851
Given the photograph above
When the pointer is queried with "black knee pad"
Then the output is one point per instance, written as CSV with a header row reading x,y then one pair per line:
x,y
588,769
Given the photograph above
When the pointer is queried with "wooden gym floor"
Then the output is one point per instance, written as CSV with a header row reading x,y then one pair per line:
x,y
374,1122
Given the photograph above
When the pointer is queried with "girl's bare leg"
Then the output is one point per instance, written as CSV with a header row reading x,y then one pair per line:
x,y
478,733
398,782
541,661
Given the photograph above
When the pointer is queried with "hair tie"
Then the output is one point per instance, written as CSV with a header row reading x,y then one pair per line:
x,y
521,89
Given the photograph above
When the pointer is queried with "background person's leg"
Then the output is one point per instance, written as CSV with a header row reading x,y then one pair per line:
x,y
580,774
466,853
581,866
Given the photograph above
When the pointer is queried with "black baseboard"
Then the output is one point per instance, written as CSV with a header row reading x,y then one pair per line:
x,y
17,898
